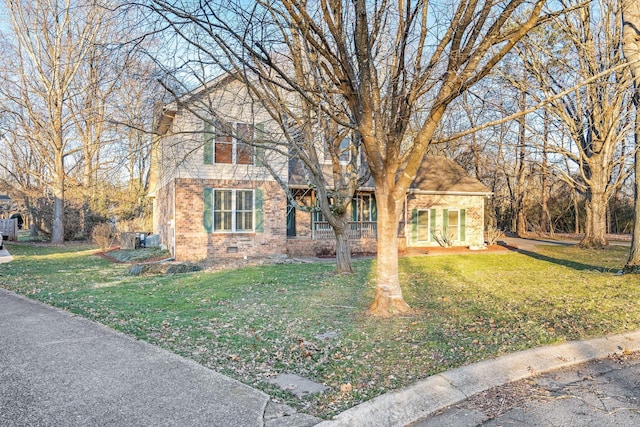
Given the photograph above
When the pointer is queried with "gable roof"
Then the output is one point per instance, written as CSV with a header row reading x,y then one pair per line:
x,y
166,115
438,174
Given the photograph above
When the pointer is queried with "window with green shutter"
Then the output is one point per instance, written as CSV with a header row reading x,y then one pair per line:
x,y
463,225
421,225
259,211
208,143
452,223
414,225
207,215
233,211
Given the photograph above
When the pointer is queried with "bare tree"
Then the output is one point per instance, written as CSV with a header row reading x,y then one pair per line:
x,y
322,147
631,49
521,164
51,38
395,66
594,115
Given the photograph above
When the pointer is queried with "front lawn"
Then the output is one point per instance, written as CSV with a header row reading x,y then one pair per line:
x,y
256,322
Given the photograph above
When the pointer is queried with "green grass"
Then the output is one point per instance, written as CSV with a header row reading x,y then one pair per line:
x,y
256,322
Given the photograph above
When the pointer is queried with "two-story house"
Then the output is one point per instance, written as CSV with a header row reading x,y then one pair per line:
x,y
215,197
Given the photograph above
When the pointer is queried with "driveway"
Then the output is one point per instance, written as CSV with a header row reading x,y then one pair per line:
x,y
598,393
532,244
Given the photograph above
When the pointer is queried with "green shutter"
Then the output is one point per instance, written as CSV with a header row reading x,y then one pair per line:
x,y
445,222
259,211
208,143
354,210
414,225
432,224
463,220
260,141
207,215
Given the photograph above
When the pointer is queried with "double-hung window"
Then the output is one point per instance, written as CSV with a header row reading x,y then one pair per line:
x,y
453,224
424,225
233,211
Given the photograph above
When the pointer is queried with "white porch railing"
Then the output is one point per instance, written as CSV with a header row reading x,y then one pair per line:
x,y
355,230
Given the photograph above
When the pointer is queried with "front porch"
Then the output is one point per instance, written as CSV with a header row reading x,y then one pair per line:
x,y
355,230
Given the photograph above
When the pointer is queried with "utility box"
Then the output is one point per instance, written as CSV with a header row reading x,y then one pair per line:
x,y
129,241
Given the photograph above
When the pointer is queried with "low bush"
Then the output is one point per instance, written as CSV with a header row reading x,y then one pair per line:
x,y
103,235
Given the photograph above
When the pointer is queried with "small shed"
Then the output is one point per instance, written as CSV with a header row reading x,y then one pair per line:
x,y
9,229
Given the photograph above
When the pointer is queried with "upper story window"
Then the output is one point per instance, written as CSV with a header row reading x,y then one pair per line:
x,y
229,143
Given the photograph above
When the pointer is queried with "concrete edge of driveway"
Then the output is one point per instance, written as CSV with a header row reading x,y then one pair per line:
x,y
402,407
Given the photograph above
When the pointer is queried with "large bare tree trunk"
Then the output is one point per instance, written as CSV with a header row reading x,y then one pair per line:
x,y
633,263
343,251
594,114
595,230
388,299
545,220
51,41
631,49
521,216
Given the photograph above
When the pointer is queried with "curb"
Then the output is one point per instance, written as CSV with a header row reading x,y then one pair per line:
x,y
410,404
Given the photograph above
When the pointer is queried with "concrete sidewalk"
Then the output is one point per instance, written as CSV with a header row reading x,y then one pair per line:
x,y
414,403
57,369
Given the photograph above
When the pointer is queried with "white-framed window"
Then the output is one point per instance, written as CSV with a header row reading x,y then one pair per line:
x,y
453,224
424,225
363,208
233,211
229,143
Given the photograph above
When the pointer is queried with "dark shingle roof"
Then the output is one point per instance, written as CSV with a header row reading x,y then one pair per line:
x,y
436,174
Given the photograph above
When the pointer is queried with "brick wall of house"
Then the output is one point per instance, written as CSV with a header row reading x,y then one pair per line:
x,y
474,213
193,242
305,247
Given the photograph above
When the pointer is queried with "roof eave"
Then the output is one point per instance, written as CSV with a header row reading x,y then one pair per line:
x,y
450,193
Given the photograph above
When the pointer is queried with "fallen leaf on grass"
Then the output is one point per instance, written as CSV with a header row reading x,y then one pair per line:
x,y
346,388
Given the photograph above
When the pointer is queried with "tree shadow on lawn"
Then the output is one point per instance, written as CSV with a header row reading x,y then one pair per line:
x,y
565,262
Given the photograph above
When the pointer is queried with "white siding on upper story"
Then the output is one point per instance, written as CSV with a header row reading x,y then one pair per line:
x,y
181,149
